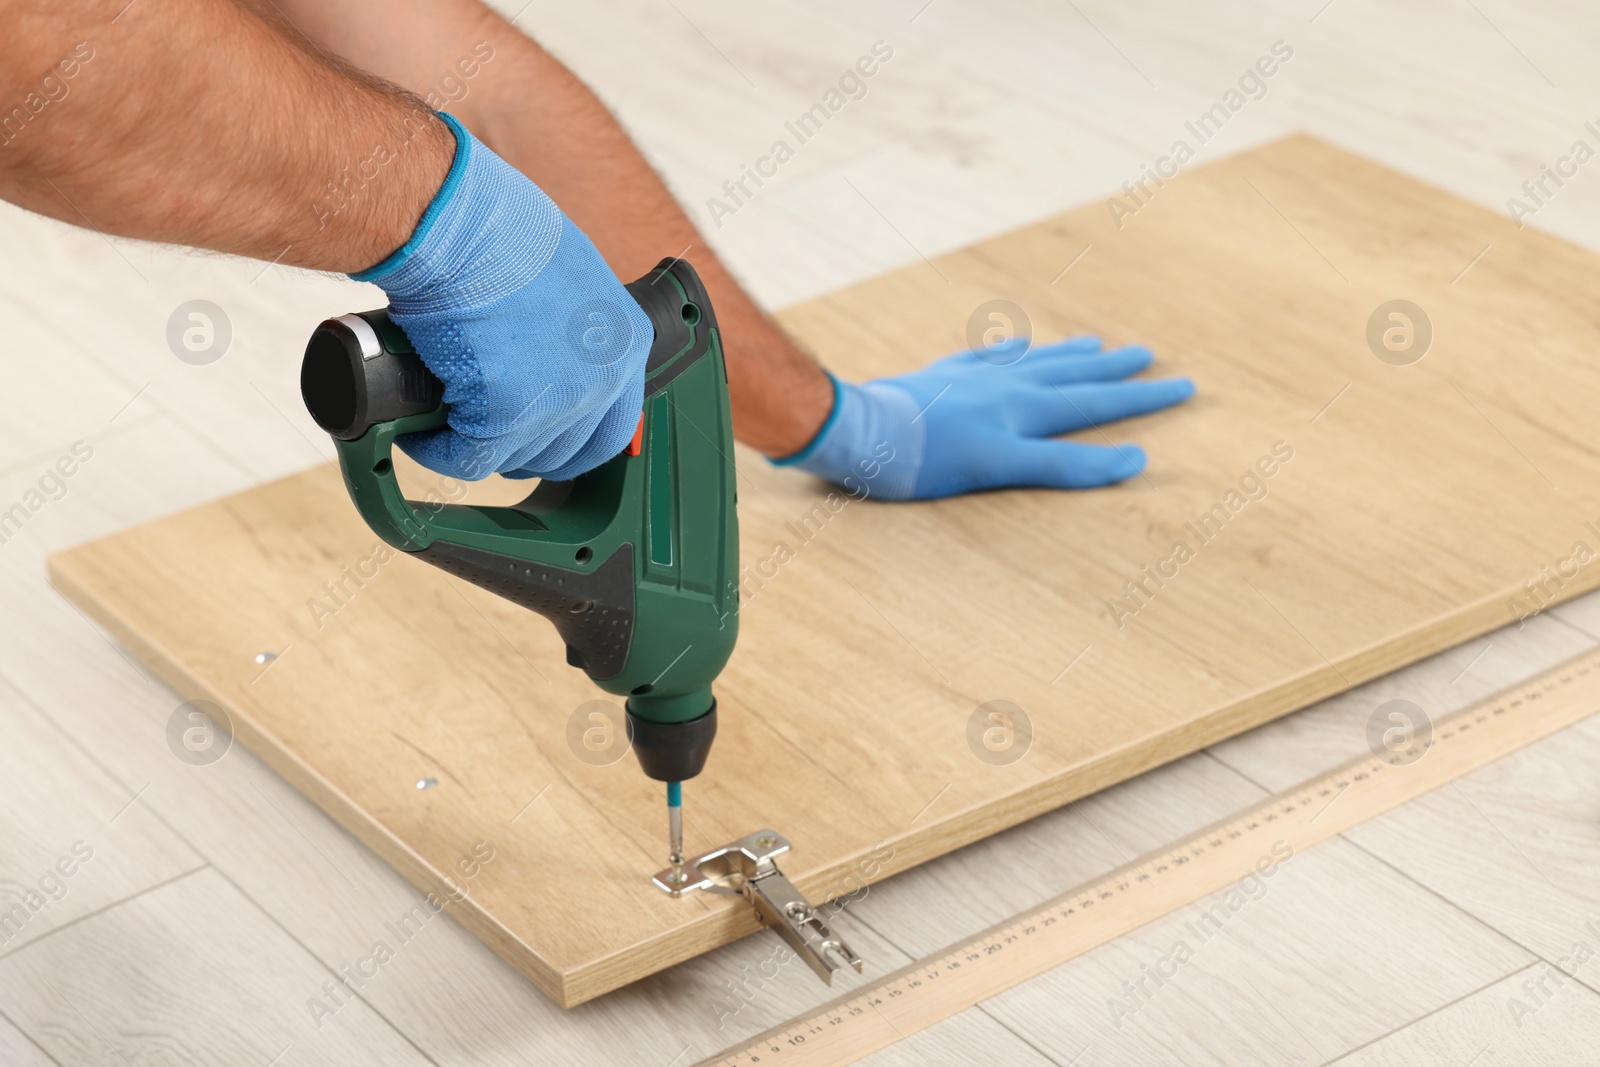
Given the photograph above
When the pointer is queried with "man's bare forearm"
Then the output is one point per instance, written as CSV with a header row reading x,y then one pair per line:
x,y
198,122
541,119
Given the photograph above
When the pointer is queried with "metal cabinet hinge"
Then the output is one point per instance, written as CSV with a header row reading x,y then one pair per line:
x,y
747,867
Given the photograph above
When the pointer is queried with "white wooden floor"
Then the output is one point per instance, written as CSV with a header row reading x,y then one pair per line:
x,y
215,902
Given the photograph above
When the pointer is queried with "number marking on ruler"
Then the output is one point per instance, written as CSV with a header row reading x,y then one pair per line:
x,y
932,989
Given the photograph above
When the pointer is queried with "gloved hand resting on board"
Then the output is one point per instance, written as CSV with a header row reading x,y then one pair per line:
x,y
985,420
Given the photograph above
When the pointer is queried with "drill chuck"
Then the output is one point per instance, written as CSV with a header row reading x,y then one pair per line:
x,y
672,751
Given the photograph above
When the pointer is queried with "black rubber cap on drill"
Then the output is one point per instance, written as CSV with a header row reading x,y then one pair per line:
x,y
673,751
352,380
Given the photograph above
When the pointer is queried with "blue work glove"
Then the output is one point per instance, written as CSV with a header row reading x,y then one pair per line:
x,y
985,421
540,348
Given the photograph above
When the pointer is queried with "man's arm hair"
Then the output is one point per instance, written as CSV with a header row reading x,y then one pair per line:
x,y
544,121
202,123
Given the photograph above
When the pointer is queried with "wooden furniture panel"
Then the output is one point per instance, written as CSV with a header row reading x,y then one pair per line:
x,y
1418,501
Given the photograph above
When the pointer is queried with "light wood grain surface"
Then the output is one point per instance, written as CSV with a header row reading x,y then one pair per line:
x,y
990,117
871,634
1481,1026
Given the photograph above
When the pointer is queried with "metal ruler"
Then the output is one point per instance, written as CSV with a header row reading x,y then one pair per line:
x,y
929,990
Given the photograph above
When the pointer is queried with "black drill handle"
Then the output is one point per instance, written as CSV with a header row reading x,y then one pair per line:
x,y
359,371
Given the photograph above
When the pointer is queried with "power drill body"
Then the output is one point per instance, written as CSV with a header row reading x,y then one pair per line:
x,y
635,563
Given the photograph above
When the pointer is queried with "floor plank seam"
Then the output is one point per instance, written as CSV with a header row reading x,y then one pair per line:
x,y
1574,627
104,768
1538,956
29,1038
1485,924
252,477
103,909
329,968
1022,1037
97,437
1429,1014
208,864
67,735
1265,792
27,310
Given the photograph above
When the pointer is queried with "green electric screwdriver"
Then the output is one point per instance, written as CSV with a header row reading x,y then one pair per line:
x,y
636,562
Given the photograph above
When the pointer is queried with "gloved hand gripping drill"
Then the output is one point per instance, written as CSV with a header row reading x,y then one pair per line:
x,y
629,544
